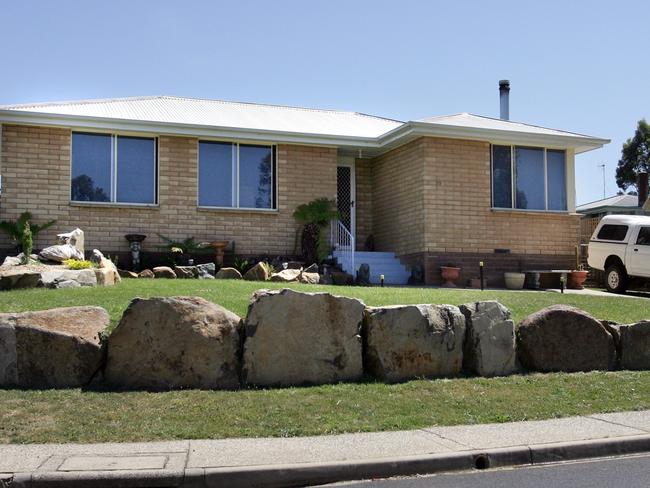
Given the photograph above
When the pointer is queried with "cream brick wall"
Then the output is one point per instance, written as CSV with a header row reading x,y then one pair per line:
x,y
434,195
35,166
363,203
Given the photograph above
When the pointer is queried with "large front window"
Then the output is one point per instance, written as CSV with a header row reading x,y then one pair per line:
x,y
528,178
111,168
236,175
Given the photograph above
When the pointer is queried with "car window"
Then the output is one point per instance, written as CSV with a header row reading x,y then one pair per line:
x,y
612,232
644,236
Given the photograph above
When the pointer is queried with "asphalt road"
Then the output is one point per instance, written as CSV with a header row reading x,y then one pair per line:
x,y
623,472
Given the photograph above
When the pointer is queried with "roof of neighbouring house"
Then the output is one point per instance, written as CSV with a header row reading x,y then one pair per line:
x,y
617,203
218,118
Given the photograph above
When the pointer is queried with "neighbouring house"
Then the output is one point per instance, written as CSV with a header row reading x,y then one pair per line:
x,y
456,189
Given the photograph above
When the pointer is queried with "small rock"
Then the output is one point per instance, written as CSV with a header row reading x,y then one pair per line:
x,y
206,270
259,272
286,276
13,260
164,272
146,273
112,275
342,278
309,278
127,274
228,274
363,275
186,272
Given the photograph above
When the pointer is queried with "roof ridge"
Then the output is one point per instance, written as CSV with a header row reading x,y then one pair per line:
x,y
83,101
528,125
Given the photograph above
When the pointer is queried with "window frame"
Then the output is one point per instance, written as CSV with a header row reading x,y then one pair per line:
x,y
513,179
235,179
114,164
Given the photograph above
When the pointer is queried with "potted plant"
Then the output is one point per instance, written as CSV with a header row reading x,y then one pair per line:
x,y
577,278
450,274
515,280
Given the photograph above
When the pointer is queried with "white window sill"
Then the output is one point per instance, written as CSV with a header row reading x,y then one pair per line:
x,y
270,211
530,211
152,206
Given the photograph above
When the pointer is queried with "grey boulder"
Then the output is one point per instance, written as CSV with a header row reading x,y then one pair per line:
x,y
228,274
410,341
635,345
296,338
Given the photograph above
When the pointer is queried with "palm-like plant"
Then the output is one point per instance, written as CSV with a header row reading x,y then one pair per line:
x,y
16,230
314,217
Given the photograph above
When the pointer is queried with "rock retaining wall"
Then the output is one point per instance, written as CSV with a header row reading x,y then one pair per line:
x,y
294,338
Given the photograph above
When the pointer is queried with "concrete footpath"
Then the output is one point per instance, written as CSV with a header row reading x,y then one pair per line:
x,y
303,461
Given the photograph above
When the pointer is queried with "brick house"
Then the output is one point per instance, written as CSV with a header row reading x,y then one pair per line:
x,y
446,190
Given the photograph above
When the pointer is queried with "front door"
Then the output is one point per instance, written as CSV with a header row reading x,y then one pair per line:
x,y
345,194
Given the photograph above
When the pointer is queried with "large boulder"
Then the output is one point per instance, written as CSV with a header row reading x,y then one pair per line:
x,y
228,274
489,348
563,338
635,345
108,273
409,341
286,275
16,278
309,278
206,271
146,273
259,272
294,338
186,272
164,272
54,277
174,342
55,348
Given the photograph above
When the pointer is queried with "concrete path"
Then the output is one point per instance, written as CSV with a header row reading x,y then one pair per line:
x,y
311,460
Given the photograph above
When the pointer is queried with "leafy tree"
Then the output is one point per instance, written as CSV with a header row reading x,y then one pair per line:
x,y
16,230
635,157
84,190
314,216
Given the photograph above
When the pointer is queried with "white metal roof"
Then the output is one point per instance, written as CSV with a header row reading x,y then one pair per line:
x,y
351,131
615,201
218,113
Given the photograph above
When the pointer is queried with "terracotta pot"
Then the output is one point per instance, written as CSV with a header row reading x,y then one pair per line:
x,y
514,281
450,274
577,279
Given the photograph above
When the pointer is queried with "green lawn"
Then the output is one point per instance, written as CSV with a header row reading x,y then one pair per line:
x,y
89,416
235,295
75,415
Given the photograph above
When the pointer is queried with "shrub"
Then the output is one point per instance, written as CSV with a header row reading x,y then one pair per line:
x,y
314,216
27,242
17,230
78,264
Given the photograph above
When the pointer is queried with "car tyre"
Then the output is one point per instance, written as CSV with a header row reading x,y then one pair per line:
x,y
616,278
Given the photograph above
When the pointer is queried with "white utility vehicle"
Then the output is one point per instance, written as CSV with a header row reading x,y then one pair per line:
x,y
620,246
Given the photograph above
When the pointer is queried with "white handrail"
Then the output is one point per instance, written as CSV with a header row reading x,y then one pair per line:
x,y
343,241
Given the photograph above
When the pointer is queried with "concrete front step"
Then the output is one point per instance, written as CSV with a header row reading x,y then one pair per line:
x,y
386,263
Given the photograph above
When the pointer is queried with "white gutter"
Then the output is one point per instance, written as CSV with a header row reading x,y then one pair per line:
x,y
389,140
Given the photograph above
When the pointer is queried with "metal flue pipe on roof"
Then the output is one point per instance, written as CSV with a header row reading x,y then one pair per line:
x,y
504,99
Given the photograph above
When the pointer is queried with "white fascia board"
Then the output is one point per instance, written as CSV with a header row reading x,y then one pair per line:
x,y
190,130
494,136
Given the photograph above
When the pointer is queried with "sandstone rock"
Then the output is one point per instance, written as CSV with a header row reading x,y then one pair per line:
x,y
341,278
363,275
409,341
164,272
309,278
635,345
55,348
174,342
60,253
67,284
489,348
228,274
13,260
206,271
186,272
146,273
259,272
105,277
109,270
286,275
75,239
52,278
127,274
294,338
19,279
563,338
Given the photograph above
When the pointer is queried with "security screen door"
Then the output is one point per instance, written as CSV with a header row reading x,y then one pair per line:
x,y
345,195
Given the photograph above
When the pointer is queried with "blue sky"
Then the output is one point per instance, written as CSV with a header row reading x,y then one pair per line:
x,y
573,65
